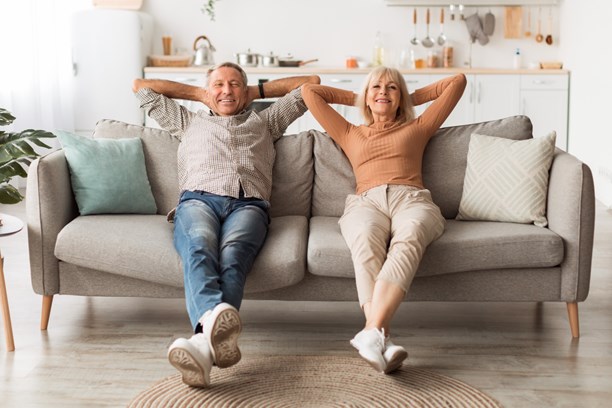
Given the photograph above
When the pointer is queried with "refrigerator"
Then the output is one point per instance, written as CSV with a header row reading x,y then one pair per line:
x,y
109,50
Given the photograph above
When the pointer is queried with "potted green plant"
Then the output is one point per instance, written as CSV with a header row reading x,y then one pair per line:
x,y
16,152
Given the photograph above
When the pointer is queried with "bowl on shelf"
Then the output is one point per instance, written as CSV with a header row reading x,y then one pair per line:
x,y
551,65
169,60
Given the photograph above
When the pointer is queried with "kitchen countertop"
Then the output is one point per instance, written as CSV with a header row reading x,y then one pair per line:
x,y
330,70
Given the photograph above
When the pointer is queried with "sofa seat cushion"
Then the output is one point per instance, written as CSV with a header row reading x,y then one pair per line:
x,y
464,246
141,247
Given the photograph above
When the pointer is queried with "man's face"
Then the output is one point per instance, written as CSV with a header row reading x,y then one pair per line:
x,y
227,91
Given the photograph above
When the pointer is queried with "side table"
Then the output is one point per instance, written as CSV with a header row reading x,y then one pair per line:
x,y
10,225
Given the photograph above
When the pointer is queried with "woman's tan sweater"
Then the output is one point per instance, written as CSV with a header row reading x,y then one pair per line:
x,y
385,152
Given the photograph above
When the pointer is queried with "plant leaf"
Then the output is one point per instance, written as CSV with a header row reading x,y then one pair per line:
x,y
5,117
9,194
12,169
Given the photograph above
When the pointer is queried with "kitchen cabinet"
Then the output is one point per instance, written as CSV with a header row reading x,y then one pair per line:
x,y
416,81
486,97
544,98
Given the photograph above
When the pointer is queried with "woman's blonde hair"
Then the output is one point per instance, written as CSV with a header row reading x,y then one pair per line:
x,y
405,110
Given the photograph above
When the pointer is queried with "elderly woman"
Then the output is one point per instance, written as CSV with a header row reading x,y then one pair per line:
x,y
391,218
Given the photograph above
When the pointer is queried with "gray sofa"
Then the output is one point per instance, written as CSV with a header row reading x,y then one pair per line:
x,y
305,256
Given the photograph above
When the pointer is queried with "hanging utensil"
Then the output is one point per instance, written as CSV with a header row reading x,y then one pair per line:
x,y
451,8
428,42
488,24
415,40
441,37
528,31
549,38
539,37
461,12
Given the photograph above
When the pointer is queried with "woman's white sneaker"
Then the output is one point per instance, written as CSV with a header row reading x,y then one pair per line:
x,y
394,355
192,359
371,346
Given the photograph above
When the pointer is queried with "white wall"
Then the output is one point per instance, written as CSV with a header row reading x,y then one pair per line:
x,y
330,30
587,54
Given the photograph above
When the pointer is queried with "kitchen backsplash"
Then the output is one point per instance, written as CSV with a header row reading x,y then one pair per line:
x,y
334,30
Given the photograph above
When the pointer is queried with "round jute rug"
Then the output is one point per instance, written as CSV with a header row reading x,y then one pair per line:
x,y
314,381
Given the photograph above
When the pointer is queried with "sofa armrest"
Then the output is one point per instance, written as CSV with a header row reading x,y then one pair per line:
x,y
50,205
571,214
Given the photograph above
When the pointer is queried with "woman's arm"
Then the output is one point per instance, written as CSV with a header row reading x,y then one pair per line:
x,y
445,94
318,98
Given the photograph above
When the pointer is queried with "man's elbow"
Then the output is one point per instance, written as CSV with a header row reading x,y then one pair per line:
x,y
136,85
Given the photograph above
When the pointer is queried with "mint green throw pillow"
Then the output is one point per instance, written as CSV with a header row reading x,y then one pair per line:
x,y
108,175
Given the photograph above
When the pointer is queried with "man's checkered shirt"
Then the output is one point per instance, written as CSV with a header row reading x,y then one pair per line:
x,y
218,154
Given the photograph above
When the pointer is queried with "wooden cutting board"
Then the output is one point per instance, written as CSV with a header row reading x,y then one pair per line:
x,y
513,22
119,4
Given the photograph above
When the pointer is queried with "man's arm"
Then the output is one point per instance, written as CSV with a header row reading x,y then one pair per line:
x,y
174,90
281,87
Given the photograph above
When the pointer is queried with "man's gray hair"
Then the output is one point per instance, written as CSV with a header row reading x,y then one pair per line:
x,y
228,65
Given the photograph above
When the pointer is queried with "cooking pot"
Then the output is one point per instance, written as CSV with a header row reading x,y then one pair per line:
x,y
247,59
269,60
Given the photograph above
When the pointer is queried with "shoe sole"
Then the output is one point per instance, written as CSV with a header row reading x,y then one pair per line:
x,y
224,338
396,361
192,372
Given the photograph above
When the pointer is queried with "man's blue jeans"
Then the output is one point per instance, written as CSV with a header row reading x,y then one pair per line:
x,y
217,238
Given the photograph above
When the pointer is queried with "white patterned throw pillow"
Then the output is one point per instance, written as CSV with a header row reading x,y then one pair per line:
x,y
507,180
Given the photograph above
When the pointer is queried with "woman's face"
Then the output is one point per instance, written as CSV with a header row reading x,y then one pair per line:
x,y
383,98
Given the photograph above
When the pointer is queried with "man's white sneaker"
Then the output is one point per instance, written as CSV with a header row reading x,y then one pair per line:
x,y
221,327
193,360
394,356
371,346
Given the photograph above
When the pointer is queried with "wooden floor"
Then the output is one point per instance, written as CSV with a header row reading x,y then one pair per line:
x,y
101,352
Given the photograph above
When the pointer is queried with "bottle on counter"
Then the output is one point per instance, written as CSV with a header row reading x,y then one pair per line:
x,y
432,59
517,63
407,59
447,57
378,58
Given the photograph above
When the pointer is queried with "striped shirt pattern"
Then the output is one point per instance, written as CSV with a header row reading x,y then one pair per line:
x,y
219,154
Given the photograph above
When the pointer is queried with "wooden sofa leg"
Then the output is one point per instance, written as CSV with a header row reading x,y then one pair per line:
x,y
572,312
46,311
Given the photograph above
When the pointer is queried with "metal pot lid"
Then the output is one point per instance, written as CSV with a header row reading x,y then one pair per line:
x,y
288,57
247,52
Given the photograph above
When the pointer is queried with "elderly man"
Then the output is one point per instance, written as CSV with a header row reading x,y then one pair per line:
x,y
225,161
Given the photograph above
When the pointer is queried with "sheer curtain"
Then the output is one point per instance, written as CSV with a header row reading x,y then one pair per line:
x,y
35,62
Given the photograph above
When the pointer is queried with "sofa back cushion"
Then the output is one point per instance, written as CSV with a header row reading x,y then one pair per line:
x,y
292,176
333,177
444,165
160,158
445,158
